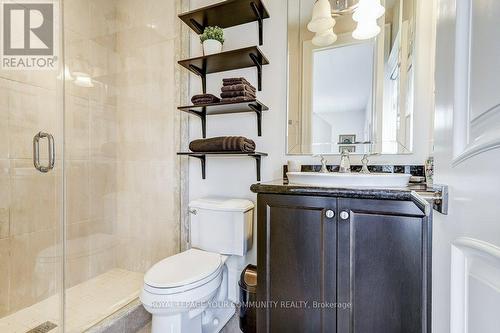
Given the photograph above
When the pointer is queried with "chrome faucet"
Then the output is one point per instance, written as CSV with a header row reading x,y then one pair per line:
x,y
345,162
324,168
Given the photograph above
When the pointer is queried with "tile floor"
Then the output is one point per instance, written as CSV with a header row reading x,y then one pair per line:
x,y
86,303
232,326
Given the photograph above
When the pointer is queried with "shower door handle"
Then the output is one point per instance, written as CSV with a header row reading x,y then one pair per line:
x,y
36,152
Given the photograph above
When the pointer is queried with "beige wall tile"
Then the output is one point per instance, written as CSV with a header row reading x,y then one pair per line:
x,y
34,203
34,199
24,120
4,199
32,273
31,110
77,128
4,276
77,254
104,131
103,184
78,191
4,117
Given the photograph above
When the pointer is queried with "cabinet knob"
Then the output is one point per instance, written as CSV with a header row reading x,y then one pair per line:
x,y
344,215
330,214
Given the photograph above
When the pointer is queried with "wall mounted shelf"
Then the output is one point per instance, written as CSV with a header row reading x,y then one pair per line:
x,y
205,110
226,61
202,156
227,14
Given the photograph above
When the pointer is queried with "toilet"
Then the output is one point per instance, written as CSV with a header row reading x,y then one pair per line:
x,y
189,292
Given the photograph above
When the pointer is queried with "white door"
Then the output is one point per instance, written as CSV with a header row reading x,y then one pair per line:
x,y
466,247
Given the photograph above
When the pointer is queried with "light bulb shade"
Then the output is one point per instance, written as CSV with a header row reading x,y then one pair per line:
x,y
366,30
324,38
322,19
368,10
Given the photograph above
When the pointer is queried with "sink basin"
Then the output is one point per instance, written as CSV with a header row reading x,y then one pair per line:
x,y
336,179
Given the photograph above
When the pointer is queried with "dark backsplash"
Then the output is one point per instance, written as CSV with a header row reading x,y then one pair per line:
x,y
414,170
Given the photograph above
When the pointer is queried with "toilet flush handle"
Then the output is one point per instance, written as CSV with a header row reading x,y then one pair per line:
x,y
193,211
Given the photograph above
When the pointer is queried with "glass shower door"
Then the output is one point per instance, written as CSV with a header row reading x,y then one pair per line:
x,y
31,178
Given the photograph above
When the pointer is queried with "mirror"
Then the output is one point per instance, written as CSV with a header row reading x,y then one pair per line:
x,y
354,95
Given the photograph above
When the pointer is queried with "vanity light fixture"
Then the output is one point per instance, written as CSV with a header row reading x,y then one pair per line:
x,y
322,19
365,13
324,38
368,10
366,30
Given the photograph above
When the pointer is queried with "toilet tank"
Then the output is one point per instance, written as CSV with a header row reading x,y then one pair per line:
x,y
222,225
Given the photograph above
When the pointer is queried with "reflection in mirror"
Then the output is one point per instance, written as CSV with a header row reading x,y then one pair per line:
x,y
341,105
351,94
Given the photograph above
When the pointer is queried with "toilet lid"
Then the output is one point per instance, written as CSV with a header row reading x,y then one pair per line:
x,y
182,269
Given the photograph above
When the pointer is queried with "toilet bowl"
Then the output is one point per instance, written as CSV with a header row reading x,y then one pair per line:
x,y
188,292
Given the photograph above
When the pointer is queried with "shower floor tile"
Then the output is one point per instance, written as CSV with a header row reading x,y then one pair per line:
x,y
86,303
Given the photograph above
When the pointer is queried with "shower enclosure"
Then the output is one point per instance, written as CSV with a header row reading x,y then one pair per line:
x,y
90,191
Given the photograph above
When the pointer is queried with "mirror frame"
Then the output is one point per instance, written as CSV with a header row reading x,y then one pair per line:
x,y
378,86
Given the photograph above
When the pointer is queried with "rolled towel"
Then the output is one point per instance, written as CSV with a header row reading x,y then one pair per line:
x,y
222,144
205,98
239,87
229,94
237,99
235,80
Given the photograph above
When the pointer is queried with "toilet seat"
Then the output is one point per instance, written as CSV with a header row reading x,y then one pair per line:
x,y
184,271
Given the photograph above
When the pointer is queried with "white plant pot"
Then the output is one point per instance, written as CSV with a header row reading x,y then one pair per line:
x,y
211,46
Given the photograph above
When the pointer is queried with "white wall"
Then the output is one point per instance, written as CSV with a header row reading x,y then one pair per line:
x,y
341,123
233,177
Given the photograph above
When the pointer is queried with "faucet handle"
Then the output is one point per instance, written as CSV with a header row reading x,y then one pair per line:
x,y
323,159
365,161
324,168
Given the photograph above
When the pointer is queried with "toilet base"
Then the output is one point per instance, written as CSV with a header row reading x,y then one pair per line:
x,y
215,319
210,321
176,323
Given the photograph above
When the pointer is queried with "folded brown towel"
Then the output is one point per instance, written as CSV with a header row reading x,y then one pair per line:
x,y
223,143
239,87
205,99
235,80
237,99
229,94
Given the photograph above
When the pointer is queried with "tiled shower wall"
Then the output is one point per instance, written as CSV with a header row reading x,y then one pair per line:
x,y
149,87
133,185
123,190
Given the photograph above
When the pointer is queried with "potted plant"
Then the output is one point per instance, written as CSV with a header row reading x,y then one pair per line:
x,y
212,40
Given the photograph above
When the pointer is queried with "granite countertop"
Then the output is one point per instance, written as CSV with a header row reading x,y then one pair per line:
x,y
417,193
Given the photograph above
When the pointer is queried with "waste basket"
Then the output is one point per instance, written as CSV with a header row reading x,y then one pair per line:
x,y
248,293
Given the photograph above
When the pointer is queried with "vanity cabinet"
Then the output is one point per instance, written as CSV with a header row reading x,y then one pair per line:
x,y
331,264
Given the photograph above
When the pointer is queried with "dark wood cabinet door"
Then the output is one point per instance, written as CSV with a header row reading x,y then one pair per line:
x,y
297,263
383,267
